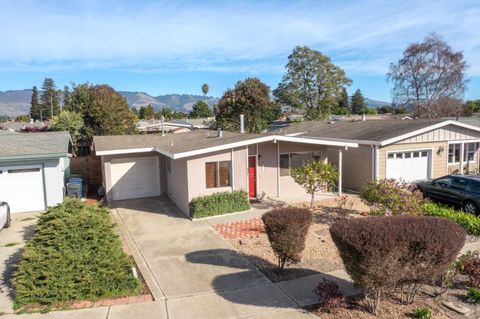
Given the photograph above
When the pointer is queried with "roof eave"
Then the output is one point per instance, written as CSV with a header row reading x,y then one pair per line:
x,y
33,157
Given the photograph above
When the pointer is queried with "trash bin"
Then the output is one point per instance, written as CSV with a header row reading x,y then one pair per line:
x,y
74,190
78,190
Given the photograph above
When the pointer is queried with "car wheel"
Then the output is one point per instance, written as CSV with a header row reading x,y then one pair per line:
x,y
470,207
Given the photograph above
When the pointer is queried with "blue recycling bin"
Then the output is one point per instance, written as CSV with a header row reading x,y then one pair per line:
x,y
77,179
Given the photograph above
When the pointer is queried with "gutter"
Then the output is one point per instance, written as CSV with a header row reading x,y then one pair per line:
x,y
33,157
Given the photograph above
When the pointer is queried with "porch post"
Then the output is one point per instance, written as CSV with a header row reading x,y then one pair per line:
x,y
462,146
340,156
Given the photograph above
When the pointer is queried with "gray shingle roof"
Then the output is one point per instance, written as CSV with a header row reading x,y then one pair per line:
x,y
18,145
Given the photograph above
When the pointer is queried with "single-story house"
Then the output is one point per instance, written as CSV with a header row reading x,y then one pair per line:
x,y
201,162
33,168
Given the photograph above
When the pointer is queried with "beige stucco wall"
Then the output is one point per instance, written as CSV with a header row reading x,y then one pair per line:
x,y
357,165
240,169
267,169
106,166
439,158
177,181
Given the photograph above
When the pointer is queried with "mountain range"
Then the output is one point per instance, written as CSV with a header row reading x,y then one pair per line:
x,y
17,102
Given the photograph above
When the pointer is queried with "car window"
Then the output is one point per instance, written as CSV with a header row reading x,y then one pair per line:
x,y
475,187
443,181
459,183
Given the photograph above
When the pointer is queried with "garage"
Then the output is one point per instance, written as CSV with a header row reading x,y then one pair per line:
x,y
135,177
22,187
409,165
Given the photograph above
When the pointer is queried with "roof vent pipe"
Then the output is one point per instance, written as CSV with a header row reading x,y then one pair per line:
x,y
242,123
219,132
364,117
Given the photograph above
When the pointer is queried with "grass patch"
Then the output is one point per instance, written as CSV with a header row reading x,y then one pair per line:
x,y
74,255
219,204
469,222
10,244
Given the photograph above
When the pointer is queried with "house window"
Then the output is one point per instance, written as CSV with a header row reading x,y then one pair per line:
x,y
284,164
294,160
218,174
469,151
454,153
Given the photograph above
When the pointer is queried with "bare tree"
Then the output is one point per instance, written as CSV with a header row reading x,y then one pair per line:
x,y
428,72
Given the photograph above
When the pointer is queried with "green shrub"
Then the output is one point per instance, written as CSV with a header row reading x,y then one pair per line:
x,y
219,204
469,222
74,254
473,295
392,197
422,313
287,230
381,253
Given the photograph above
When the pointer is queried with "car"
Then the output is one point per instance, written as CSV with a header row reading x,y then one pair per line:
x,y
458,190
4,215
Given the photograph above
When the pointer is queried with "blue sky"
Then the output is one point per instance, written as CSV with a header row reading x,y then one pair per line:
x,y
162,47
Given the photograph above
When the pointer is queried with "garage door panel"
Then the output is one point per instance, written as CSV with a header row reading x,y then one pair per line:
x,y
409,165
22,188
135,178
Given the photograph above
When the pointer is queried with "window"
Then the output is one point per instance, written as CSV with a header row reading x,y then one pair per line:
x,y
218,174
294,160
454,153
391,155
475,187
298,159
443,181
23,170
459,183
284,165
469,151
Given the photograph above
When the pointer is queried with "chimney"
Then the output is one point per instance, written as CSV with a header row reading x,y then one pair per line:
x,y
242,123
364,117
219,132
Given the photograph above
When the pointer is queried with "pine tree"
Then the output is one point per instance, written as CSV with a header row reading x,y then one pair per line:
x,y
66,96
35,106
358,102
49,98
343,103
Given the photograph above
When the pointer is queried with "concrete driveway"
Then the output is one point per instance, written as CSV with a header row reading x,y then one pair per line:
x,y
193,268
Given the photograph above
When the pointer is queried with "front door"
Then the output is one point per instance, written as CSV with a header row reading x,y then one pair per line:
x,y
252,176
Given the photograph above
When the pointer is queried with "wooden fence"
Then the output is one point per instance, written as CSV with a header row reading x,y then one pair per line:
x,y
89,167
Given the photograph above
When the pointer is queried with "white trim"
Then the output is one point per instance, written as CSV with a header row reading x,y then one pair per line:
x,y
315,141
125,151
340,164
295,134
377,166
427,129
233,170
429,156
278,169
463,141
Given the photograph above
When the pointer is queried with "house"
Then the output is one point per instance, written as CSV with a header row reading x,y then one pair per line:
x,y
184,166
174,126
33,168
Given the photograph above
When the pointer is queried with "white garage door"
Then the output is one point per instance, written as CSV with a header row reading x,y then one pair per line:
x,y
135,177
22,188
409,165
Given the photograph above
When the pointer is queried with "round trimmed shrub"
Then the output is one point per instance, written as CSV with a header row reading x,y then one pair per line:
x,y
384,252
287,230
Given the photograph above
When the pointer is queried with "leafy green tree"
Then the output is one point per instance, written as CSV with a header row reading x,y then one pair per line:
x,y
50,98
315,176
166,113
205,89
22,118
178,115
72,123
104,110
66,95
358,102
343,107
251,98
146,112
200,109
312,83
35,106
135,111
471,106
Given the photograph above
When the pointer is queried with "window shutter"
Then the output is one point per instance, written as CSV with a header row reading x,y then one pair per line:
x,y
211,174
224,172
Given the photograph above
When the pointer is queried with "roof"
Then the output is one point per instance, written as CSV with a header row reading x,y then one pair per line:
x,y
17,126
33,145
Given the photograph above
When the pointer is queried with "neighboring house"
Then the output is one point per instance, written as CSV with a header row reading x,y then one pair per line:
x,y
174,126
33,168
196,163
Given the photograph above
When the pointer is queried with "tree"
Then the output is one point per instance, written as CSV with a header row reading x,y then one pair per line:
x,y
166,113
146,112
72,123
315,176
343,106
205,89
471,106
251,98
358,102
312,83
200,109
22,118
66,95
35,106
49,98
104,111
427,72
178,115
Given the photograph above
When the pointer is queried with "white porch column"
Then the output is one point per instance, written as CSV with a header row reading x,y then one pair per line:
x,y
462,146
340,156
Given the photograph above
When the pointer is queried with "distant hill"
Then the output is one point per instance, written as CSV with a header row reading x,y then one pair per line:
x,y
375,103
15,102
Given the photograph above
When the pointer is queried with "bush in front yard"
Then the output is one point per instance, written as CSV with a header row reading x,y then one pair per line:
x,y
392,197
287,230
219,204
74,254
380,253
469,222
471,268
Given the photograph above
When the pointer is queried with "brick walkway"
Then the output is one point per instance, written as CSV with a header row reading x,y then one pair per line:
x,y
241,229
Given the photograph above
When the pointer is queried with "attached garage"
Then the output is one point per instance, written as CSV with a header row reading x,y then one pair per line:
x,y
22,187
135,177
409,165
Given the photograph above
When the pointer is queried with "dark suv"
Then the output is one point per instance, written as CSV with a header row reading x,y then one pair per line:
x,y
458,190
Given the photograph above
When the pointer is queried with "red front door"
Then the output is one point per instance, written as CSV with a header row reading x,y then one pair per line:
x,y
252,176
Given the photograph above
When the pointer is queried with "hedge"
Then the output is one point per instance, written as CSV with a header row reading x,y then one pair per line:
x,y
73,255
469,222
219,204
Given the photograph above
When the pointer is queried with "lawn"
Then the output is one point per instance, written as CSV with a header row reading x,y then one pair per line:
x,y
74,255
